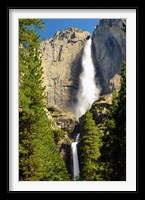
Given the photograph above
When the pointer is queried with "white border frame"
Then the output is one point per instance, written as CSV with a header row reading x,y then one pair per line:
x,y
130,183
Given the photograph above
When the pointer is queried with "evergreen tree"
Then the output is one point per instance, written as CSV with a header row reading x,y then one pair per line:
x,y
38,158
113,151
120,116
90,144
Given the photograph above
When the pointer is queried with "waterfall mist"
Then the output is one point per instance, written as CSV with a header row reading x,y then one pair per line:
x,y
88,91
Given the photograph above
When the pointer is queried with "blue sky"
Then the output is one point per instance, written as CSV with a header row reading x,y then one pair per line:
x,y
54,25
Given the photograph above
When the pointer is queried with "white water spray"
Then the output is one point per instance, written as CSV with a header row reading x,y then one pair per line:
x,y
88,90
76,169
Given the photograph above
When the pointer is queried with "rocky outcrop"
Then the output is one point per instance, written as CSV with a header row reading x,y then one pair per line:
x,y
100,108
64,149
114,83
108,52
61,61
61,119
64,127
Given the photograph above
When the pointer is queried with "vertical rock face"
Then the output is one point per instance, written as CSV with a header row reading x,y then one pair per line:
x,y
108,52
61,61
62,57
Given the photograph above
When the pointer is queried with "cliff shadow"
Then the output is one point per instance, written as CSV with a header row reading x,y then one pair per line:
x,y
76,69
75,132
107,58
67,157
98,71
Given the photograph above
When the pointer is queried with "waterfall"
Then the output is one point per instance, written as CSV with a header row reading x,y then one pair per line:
x,y
88,91
76,169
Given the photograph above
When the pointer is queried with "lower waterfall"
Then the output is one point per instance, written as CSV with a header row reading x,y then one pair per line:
x,y
76,169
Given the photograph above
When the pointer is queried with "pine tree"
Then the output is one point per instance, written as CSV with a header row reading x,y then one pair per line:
x,y
113,151
90,144
120,131
38,158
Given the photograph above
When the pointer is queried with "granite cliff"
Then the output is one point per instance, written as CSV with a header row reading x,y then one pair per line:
x,y
108,52
61,61
62,58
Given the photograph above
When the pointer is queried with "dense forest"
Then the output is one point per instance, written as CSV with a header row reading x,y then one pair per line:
x,y
102,146
38,158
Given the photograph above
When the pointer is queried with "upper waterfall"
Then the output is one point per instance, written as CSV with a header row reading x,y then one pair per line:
x,y
88,91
